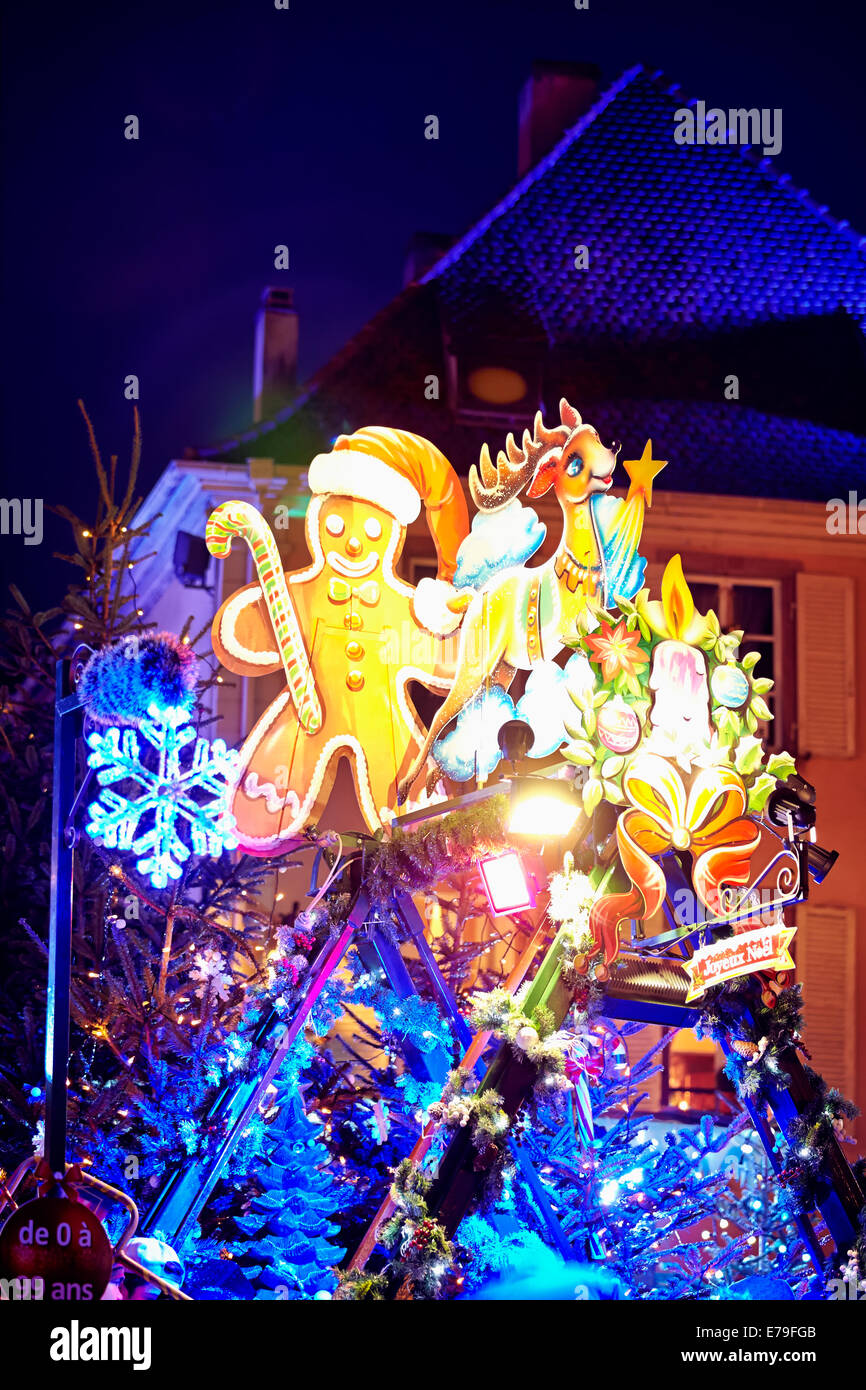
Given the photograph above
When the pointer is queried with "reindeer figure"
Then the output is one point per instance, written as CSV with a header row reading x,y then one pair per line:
x,y
522,616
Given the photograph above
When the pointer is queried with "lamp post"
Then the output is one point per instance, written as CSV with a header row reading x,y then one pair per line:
x,y
68,722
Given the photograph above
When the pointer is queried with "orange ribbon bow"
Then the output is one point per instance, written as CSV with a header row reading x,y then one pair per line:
x,y
709,820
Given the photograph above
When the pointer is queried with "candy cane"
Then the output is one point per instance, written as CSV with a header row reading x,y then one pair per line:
x,y
240,519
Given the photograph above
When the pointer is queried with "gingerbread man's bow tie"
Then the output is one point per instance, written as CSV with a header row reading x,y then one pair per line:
x,y
340,592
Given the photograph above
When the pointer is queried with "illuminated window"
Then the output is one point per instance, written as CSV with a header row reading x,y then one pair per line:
x,y
693,1077
755,605
494,378
496,385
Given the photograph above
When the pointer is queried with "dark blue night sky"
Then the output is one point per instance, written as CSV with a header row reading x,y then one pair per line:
x,y
304,126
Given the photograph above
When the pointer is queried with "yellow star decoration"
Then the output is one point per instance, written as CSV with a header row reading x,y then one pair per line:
x,y
642,471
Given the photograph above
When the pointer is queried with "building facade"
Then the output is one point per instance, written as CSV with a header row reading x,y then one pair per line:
x,y
683,293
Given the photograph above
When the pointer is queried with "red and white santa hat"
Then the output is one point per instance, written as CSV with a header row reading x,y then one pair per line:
x,y
398,471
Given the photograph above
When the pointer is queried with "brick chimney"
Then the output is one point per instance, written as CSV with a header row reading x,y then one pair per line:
x,y
275,362
553,99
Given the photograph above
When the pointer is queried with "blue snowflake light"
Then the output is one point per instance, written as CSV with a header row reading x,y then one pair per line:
x,y
176,791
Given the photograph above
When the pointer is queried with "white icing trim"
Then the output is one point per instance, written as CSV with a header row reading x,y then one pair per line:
x,y
429,604
274,802
301,809
350,473
243,599
314,544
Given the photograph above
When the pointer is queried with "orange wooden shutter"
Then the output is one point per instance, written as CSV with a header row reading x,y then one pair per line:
x,y
826,710
825,954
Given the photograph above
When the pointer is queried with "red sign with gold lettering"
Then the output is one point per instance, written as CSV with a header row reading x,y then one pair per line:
x,y
59,1247
763,949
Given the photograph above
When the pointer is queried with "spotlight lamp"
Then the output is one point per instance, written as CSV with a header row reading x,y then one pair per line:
x,y
820,861
515,739
787,810
508,886
791,808
543,807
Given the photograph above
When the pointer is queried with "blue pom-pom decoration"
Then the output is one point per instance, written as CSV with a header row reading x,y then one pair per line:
x,y
121,682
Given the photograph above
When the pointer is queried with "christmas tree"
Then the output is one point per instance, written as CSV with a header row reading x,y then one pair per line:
x,y
286,1249
660,1206
175,951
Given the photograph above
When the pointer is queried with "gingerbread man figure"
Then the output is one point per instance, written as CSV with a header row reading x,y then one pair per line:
x,y
347,631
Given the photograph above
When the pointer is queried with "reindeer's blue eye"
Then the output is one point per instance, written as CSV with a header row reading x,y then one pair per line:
x,y
575,466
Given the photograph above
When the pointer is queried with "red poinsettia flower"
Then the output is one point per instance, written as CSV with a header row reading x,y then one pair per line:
x,y
616,649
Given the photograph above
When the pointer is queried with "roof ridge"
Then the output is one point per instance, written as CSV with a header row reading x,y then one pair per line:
x,y
353,345
766,165
477,229
534,174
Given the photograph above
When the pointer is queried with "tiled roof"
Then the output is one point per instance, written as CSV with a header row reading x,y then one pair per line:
x,y
703,261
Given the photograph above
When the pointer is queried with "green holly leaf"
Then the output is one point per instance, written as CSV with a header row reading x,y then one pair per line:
x,y
760,790
728,724
760,709
581,753
781,765
592,794
749,755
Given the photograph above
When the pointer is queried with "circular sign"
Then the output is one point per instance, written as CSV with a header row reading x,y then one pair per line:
x,y
618,727
729,686
61,1243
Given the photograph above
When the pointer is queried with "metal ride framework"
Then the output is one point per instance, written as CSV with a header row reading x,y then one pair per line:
x,y
648,984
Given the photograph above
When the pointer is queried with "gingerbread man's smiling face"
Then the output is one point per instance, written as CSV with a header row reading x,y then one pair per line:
x,y
357,538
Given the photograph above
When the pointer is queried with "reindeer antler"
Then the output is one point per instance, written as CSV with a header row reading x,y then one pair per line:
x,y
515,467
